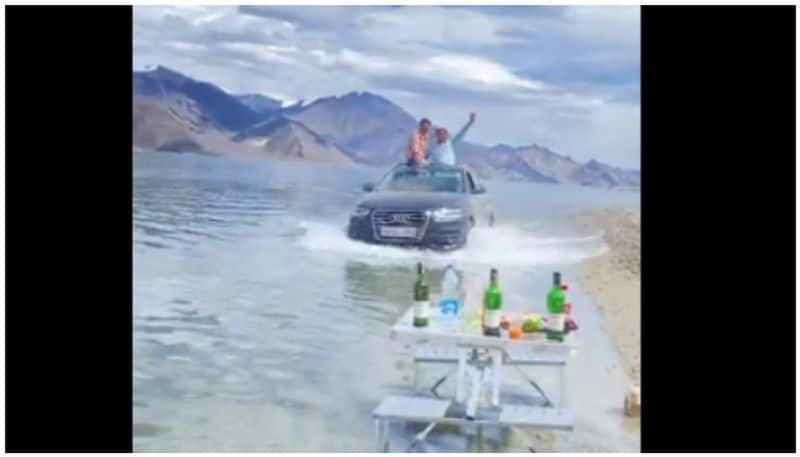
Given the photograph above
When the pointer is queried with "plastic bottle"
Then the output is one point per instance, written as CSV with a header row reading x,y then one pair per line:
x,y
449,303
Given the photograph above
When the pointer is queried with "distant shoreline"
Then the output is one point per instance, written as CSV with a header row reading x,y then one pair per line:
x,y
613,281
146,150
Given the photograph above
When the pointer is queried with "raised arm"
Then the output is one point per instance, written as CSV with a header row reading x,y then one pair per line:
x,y
460,135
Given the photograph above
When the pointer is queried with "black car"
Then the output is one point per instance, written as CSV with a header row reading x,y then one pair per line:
x,y
430,207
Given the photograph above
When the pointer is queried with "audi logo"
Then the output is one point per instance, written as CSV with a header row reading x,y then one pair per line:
x,y
398,218
389,218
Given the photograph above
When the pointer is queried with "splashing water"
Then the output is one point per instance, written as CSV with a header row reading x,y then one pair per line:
x,y
500,246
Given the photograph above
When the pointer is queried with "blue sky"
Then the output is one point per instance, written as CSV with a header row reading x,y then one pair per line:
x,y
562,77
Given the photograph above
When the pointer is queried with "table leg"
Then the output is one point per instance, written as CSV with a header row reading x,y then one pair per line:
x,y
439,383
421,436
547,401
475,392
497,364
378,429
460,378
416,375
385,435
562,397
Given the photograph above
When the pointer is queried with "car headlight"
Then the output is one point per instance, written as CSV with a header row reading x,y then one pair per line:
x,y
360,211
446,214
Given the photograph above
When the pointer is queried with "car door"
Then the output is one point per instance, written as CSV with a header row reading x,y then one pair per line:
x,y
479,201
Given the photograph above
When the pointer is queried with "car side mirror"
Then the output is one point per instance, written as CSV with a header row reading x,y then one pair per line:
x,y
479,190
369,187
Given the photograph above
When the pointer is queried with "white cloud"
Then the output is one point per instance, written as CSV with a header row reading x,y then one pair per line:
x,y
263,53
326,17
184,46
471,69
610,25
473,72
432,25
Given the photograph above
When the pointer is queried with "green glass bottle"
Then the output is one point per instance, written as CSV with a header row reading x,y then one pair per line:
x,y
492,304
421,299
556,317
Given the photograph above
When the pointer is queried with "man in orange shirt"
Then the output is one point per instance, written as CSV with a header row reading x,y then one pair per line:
x,y
418,143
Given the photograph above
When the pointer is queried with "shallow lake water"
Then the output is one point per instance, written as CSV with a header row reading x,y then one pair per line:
x,y
258,326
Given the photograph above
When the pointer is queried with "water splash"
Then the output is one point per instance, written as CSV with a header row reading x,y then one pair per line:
x,y
499,245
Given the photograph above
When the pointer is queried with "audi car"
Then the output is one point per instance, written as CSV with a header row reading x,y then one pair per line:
x,y
427,207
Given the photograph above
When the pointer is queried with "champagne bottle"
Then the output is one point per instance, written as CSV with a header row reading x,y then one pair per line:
x,y
492,303
421,299
555,310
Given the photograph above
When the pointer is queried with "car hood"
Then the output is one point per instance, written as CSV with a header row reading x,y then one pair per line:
x,y
414,200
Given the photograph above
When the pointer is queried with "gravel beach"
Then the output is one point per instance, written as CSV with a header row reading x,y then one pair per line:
x,y
614,282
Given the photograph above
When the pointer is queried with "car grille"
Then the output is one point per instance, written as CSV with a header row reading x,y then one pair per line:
x,y
416,219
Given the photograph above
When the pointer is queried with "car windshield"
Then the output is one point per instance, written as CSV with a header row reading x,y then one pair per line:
x,y
412,179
